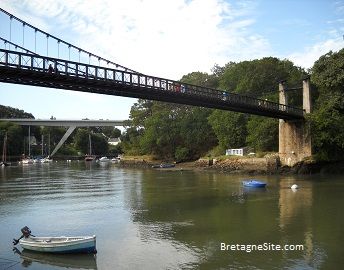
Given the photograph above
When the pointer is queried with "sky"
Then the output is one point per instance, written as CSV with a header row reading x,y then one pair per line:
x,y
165,38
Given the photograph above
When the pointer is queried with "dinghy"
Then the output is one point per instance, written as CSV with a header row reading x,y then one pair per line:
x,y
62,244
254,183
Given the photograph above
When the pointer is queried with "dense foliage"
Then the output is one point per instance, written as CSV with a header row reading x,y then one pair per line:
x,y
328,117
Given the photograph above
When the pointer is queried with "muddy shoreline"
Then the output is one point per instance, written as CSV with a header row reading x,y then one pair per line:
x,y
266,165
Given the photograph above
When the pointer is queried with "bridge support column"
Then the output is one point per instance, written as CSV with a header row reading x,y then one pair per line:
x,y
64,138
294,135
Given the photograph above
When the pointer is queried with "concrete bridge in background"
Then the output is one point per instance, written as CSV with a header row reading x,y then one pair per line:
x,y
71,124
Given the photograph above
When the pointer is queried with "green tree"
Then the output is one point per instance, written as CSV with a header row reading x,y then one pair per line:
x,y
140,111
98,142
160,135
202,79
230,128
15,138
328,116
130,141
262,133
257,78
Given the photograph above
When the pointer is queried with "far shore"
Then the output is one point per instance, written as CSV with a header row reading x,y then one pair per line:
x,y
251,165
269,164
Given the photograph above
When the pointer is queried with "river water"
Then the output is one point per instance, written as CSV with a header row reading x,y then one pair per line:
x,y
160,219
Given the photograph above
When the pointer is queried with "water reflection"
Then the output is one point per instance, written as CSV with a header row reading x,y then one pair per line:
x,y
296,222
147,219
79,261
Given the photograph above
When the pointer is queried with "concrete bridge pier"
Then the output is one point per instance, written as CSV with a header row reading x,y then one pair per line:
x,y
294,135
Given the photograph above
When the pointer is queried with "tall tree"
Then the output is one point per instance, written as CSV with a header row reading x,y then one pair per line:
x,y
328,115
258,78
15,138
262,133
230,128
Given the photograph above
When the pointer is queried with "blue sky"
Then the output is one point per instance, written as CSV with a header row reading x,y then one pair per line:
x,y
167,38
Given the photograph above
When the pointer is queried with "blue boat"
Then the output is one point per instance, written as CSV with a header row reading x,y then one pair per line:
x,y
254,183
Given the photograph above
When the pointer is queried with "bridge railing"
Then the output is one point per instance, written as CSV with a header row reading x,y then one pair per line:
x,y
58,67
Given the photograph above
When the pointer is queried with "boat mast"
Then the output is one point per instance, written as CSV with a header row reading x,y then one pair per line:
x,y
42,141
29,143
49,144
4,150
90,144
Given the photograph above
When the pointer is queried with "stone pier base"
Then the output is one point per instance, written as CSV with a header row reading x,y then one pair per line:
x,y
294,141
295,136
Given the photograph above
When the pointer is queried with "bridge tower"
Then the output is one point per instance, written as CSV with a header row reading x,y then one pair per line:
x,y
295,135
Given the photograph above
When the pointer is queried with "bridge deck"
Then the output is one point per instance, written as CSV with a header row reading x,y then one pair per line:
x,y
28,69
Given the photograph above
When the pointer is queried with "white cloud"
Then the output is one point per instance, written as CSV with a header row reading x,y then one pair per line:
x,y
309,55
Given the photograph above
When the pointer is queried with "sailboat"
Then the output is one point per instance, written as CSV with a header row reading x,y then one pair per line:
x,y
89,156
45,159
4,162
28,160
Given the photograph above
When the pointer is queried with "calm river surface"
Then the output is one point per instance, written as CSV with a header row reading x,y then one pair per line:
x,y
156,219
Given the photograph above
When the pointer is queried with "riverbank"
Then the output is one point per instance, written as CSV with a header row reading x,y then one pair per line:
x,y
269,164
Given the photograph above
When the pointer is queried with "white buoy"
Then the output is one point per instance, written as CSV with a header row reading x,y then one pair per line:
x,y
294,187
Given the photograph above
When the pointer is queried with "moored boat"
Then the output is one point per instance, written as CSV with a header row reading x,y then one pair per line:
x,y
104,159
167,165
115,160
90,158
164,165
254,183
46,160
62,244
27,161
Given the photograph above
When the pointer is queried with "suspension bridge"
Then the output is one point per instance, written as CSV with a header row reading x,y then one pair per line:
x,y
31,56
45,67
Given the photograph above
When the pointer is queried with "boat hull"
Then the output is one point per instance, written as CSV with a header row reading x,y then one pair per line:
x,y
61,245
254,184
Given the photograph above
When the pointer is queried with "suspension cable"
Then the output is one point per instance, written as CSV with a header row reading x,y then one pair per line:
x,y
16,45
66,43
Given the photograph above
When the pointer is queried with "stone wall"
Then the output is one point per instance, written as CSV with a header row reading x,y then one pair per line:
x,y
267,164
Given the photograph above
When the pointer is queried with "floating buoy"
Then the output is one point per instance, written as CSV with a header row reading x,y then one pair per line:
x,y
294,186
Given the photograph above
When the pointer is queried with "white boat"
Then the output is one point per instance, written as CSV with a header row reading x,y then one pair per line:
x,y
46,160
104,159
62,244
27,161
115,160
75,244
37,160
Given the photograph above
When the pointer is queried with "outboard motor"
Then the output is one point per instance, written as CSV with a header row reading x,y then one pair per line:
x,y
26,232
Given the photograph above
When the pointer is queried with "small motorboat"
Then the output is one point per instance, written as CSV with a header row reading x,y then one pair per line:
x,y
254,183
104,159
62,244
